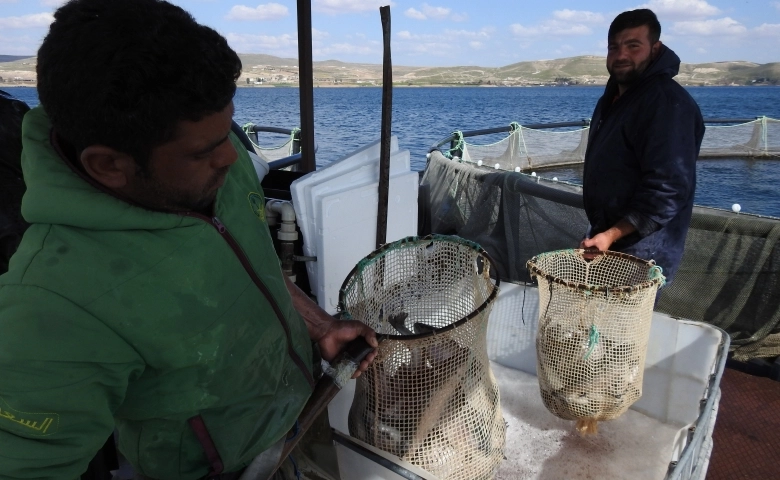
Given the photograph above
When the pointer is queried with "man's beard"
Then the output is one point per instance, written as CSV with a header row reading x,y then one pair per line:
x,y
630,76
155,195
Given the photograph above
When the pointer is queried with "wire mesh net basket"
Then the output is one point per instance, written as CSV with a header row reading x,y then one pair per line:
x,y
594,325
429,397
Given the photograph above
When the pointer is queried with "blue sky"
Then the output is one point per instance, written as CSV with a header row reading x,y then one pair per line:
x,y
486,33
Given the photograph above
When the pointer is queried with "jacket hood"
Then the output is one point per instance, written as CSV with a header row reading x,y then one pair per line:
x,y
57,195
667,63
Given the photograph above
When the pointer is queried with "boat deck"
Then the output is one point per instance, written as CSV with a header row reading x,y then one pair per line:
x,y
747,431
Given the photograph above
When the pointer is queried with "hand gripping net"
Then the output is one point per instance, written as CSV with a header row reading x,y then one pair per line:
x,y
429,397
594,324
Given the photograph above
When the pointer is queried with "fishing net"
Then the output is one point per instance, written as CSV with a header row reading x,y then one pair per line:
x,y
594,324
526,149
429,397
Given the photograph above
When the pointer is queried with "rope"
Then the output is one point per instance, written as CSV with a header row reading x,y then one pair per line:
x,y
593,339
248,129
458,146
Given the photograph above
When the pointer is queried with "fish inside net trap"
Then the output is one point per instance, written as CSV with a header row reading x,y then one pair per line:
x,y
429,396
594,325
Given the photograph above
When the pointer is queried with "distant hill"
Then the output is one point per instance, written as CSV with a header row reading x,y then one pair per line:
x,y
12,58
260,69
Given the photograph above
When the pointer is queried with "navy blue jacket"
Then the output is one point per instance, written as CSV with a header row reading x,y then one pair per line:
x,y
640,164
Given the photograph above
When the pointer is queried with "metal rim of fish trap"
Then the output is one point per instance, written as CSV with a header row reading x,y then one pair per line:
x,y
655,272
411,241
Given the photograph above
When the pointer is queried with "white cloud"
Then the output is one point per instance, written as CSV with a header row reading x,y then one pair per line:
x,y
415,14
269,11
681,9
335,7
435,13
481,34
281,45
439,13
776,4
27,21
714,27
701,50
319,34
476,45
581,16
52,3
346,49
768,30
18,45
550,27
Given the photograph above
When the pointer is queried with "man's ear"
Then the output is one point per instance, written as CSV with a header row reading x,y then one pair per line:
x,y
110,167
655,49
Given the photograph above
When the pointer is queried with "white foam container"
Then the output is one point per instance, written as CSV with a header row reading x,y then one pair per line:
x,y
346,229
354,169
685,361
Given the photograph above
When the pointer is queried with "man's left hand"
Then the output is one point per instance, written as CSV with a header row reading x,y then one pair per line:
x,y
331,335
341,332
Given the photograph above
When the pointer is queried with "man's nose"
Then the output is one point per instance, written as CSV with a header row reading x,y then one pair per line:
x,y
226,156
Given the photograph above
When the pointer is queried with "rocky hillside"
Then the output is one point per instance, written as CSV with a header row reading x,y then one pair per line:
x,y
261,70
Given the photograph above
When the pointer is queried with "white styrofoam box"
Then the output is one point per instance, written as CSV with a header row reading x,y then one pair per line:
x,y
347,230
512,327
361,176
299,189
260,164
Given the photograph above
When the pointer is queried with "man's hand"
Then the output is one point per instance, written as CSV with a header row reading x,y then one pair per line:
x,y
605,239
341,332
330,334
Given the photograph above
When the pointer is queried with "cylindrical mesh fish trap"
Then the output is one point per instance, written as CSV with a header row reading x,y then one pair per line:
x,y
429,397
594,324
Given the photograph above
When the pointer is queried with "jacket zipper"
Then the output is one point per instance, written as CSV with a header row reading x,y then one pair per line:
x,y
220,227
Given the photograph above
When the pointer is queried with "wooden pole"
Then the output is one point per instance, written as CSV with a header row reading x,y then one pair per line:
x,y
306,86
387,117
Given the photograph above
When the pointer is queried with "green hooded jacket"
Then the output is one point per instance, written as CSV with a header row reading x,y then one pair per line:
x,y
177,330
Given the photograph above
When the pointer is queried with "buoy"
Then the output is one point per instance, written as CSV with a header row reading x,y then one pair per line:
x,y
456,158
497,166
479,163
555,179
428,156
517,169
736,208
533,174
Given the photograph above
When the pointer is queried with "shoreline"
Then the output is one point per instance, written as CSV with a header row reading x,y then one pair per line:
x,y
433,85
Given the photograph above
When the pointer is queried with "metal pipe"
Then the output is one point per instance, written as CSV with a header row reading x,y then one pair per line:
x,y
306,86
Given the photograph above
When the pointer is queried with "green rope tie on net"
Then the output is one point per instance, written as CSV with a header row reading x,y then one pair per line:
x,y
247,128
593,339
656,272
514,126
460,143
293,133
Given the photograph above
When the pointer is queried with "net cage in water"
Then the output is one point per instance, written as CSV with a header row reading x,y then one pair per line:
x,y
429,397
594,325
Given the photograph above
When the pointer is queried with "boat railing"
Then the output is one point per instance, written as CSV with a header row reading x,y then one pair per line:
x,y
564,143
288,154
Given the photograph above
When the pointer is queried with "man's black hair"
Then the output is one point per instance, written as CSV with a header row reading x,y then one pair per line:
x,y
633,19
124,73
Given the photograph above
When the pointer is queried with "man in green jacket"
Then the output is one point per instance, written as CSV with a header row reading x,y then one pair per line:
x,y
146,295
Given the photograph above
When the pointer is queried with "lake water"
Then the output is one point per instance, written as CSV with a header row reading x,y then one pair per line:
x,y
346,118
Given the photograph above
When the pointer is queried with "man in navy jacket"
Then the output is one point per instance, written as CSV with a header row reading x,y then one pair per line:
x,y
640,166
